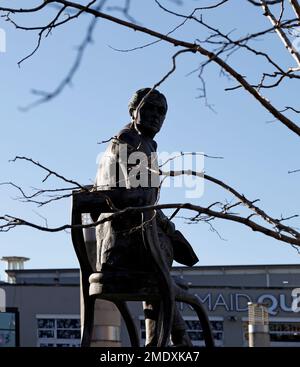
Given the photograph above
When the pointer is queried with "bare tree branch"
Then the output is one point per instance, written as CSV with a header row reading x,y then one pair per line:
x,y
196,48
125,10
211,56
216,47
280,32
49,172
268,2
248,203
47,96
29,10
12,221
294,171
296,7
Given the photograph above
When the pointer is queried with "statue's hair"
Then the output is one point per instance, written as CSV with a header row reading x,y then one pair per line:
x,y
140,94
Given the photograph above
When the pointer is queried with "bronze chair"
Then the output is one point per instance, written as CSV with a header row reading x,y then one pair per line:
x,y
124,286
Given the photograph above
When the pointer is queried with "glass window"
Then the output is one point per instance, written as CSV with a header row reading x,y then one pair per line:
x,y
68,334
46,333
46,323
68,324
7,320
7,338
195,335
285,332
58,331
8,329
280,332
195,332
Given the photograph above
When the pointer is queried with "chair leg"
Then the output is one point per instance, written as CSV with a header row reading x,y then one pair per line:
x,y
87,313
207,332
164,322
131,328
88,322
183,296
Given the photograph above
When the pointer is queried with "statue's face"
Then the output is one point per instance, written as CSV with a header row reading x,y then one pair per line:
x,y
151,115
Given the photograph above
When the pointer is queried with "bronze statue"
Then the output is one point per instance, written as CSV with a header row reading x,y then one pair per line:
x,y
130,161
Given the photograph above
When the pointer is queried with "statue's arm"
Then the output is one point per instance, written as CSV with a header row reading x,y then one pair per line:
x,y
164,222
182,249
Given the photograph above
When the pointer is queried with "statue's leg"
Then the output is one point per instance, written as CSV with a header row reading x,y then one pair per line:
x,y
179,336
151,310
184,296
133,335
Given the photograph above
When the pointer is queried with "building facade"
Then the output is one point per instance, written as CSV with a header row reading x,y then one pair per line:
x,y
43,306
225,292
43,309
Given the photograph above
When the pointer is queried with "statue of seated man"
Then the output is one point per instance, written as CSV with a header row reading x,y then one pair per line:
x,y
128,162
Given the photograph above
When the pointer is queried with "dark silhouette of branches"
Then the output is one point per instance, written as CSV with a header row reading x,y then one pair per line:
x,y
47,96
194,47
49,171
125,10
214,46
278,230
9,222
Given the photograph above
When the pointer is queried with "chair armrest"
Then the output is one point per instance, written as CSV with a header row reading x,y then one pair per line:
x,y
100,201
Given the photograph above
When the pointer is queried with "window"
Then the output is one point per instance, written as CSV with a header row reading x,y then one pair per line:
x,y
9,328
283,332
195,331
58,330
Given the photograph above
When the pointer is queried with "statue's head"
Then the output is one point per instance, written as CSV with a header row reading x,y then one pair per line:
x,y
149,115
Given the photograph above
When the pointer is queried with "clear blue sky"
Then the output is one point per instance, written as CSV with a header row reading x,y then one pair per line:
x,y
63,134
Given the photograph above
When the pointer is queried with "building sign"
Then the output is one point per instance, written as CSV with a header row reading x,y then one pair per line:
x,y
238,302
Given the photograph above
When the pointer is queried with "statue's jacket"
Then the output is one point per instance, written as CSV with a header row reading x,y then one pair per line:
x,y
128,159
